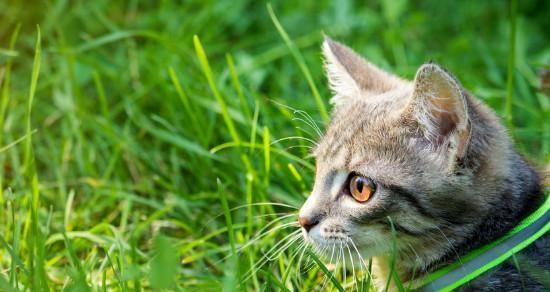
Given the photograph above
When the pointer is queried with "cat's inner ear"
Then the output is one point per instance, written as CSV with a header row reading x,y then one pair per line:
x,y
351,76
439,106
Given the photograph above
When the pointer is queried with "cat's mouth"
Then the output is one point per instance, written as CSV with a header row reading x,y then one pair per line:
x,y
363,243
323,236
336,247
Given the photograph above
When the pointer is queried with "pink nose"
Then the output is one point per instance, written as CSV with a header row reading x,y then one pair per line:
x,y
307,223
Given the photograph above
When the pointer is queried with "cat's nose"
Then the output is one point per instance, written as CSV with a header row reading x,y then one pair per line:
x,y
308,222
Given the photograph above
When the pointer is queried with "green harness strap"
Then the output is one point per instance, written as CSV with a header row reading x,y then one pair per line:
x,y
486,257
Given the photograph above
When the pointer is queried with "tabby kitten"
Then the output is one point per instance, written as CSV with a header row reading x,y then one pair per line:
x,y
425,157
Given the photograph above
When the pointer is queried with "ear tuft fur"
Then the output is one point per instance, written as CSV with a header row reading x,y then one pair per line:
x,y
351,76
340,80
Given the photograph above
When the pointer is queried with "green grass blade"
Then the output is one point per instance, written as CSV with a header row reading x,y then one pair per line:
x,y
392,275
301,63
210,77
511,65
237,84
164,265
35,241
195,123
325,270
4,100
79,276
227,213
5,85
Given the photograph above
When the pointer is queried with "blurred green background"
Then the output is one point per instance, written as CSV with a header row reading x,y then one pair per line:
x,y
138,144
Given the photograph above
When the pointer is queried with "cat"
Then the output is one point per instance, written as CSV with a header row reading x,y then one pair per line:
x,y
425,159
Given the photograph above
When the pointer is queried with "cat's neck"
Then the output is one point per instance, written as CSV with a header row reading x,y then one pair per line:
x,y
520,195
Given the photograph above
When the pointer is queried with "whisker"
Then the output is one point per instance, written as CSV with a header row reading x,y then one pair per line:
x,y
299,146
273,222
352,267
312,121
330,261
279,215
294,138
304,130
268,256
450,243
307,122
264,204
343,262
271,256
362,261
302,113
247,205
267,232
260,235
306,246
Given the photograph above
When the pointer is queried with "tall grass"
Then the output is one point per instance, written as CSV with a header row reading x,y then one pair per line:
x,y
164,146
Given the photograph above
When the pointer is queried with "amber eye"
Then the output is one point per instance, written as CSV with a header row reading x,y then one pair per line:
x,y
361,188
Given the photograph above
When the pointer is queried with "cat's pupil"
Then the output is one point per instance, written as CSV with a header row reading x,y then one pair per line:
x,y
360,185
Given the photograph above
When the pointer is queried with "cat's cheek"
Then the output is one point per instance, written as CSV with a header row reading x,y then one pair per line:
x,y
372,240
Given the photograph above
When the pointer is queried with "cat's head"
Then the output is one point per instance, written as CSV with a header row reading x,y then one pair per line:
x,y
400,159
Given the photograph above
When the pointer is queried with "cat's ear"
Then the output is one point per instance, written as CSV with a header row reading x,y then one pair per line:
x,y
351,76
439,106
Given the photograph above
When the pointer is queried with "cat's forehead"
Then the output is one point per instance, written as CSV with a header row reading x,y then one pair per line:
x,y
362,136
386,154
364,120
367,134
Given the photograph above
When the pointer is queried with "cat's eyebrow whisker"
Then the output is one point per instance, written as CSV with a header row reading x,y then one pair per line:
x,y
294,138
279,215
299,146
310,119
307,122
304,130
264,204
301,112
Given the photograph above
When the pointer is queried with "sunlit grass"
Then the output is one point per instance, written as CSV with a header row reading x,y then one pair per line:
x,y
166,146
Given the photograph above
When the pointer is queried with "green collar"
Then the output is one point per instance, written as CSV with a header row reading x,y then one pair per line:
x,y
486,257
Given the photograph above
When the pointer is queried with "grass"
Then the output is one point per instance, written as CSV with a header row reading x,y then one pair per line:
x,y
146,145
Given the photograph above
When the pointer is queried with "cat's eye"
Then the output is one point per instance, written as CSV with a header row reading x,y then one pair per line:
x,y
361,188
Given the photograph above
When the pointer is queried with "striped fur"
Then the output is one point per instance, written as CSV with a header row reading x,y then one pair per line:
x,y
448,176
